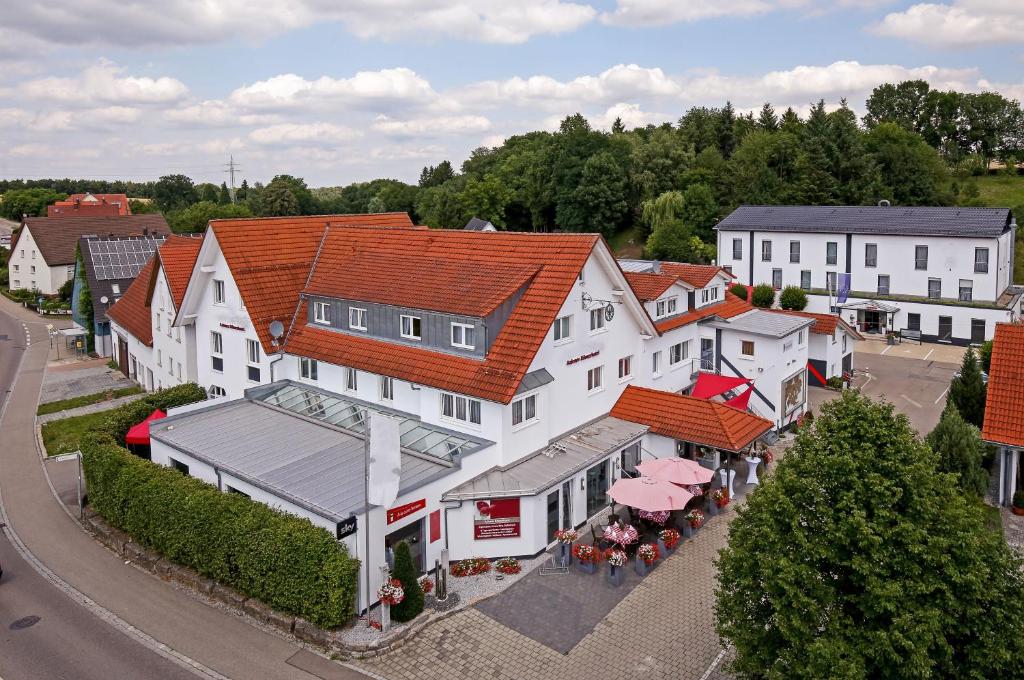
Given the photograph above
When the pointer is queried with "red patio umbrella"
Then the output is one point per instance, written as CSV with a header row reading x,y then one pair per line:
x,y
676,470
139,433
647,493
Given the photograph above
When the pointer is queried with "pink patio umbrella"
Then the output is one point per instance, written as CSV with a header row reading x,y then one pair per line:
x,y
647,493
676,470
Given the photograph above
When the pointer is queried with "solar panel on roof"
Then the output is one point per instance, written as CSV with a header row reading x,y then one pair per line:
x,y
122,258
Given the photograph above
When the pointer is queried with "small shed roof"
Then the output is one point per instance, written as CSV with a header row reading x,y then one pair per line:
x,y
763,322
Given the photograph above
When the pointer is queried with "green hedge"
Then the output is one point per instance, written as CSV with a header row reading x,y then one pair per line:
x,y
281,560
123,417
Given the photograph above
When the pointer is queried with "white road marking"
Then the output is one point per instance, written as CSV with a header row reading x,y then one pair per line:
x,y
929,354
867,381
887,349
941,395
714,664
910,400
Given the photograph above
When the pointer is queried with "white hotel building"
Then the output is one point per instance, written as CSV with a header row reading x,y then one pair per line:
x,y
528,372
945,273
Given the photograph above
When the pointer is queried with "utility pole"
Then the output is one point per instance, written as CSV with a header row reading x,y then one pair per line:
x,y
232,168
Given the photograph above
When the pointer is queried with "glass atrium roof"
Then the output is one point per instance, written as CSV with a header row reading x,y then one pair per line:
x,y
350,414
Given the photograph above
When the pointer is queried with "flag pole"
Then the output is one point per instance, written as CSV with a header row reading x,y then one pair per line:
x,y
366,509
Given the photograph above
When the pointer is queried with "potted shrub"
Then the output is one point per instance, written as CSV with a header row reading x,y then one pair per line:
x,y
616,561
720,498
427,585
668,539
586,558
694,519
508,566
646,556
1018,503
565,538
390,595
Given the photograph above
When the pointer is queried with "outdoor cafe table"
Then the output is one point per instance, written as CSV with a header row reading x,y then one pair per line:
x,y
623,535
658,517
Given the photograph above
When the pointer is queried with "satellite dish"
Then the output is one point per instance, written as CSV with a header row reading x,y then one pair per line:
x,y
104,299
276,329
609,312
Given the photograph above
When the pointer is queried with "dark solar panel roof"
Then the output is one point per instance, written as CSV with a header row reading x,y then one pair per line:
x,y
121,258
895,220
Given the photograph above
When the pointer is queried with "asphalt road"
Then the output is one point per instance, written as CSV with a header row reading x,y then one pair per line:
x,y
43,633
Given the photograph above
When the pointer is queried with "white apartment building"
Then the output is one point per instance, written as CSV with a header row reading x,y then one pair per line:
x,y
945,273
503,356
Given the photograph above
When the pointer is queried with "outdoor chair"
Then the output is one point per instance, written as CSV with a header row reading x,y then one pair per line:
x,y
597,532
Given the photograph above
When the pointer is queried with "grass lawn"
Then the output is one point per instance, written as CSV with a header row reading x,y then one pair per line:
x,y
85,400
627,243
1001,191
61,436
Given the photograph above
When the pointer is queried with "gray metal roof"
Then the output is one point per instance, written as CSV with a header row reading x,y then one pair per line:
x,y
477,224
534,379
314,465
871,305
640,266
895,220
559,460
760,322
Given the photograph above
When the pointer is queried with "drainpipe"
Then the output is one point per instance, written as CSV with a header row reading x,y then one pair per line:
x,y
274,360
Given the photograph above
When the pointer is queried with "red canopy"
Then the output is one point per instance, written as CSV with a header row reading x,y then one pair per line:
x,y
139,433
742,399
711,385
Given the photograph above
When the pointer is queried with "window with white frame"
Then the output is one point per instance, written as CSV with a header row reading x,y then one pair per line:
x,y
935,288
870,254
321,312
920,257
626,368
410,327
777,279
766,251
800,338
168,326
656,363
252,355
563,328
458,407
158,322
179,370
844,343
357,318
524,410
747,348
665,307
883,284
159,358
218,292
596,319
737,249
981,260
710,294
594,379
387,388
831,252
351,379
177,333
170,367
678,353
788,345
805,279
217,351
463,335
307,368
794,252
216,391
966,290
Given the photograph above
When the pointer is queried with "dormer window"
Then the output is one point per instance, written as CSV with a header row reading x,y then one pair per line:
x,y
409,327
321,312
709,294
463,336
356,319
665,307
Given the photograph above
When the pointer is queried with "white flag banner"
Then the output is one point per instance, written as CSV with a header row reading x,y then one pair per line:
x,y
385,458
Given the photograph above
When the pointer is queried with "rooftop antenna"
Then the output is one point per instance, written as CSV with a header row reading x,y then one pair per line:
x,y
276,331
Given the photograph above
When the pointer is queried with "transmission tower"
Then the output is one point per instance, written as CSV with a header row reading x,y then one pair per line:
x,y
231,169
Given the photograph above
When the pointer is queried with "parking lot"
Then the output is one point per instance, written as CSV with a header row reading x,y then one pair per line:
x,y
915,378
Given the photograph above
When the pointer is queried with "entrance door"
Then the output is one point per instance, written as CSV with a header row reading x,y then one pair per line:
x,y
412,534
552,515
707,354
872,321
630,458
122,355
567,505
977,330
945,329
597,488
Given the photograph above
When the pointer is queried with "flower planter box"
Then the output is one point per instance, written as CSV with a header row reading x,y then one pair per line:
x,y
1017,511
587,567
688,531
615,576
712,509
564,554
664,549
642,568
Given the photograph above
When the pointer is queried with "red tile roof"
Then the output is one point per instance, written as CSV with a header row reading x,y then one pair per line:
x,y
57,237
558,257
1004,407
649,286
132,312
270,259
436,284
178,258
69,206
679,416
728,308
824,324
697,275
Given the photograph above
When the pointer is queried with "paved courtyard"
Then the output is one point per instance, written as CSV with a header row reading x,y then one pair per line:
x,y
80,378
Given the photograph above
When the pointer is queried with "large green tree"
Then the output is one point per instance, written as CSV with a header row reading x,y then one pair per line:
x,y
486,199
174,192
859,559
967,391
599,201
910,171
960,450
671,237
31,202
194,218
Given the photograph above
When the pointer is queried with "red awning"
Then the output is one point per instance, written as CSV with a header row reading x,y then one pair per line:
x,y
139,433
742,399
711,385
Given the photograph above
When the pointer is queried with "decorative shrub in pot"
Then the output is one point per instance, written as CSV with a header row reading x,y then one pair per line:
x,y
586,558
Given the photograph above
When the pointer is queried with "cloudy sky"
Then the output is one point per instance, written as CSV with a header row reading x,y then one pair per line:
x,y
338,91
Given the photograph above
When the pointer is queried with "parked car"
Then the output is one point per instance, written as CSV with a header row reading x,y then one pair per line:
x,y
984,377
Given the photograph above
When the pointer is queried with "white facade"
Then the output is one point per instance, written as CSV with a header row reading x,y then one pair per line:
x,y
887,267
28,270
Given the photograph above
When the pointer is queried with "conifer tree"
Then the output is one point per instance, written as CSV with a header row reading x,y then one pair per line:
x,y
410,607
967,391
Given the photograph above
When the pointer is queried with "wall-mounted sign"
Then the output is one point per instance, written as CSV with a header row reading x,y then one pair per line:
x,y
231,326
582,357
496,518
403,511
346,527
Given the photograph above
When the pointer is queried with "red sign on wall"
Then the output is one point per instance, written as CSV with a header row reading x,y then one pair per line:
x,y
403,511
435,526
496,518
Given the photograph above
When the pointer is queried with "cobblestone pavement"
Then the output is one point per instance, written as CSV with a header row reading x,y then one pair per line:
x,y
73,381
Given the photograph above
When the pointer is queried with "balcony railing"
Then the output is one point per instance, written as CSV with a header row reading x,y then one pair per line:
x,y
707,361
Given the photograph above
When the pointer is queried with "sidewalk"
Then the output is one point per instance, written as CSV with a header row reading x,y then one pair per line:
x,y
90,408
141,603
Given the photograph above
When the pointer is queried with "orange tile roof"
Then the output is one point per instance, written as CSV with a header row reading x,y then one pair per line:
x,y
558,257
649,286
697,275
270,259
687,418
178,258
824,324
437,284
1004,407
132,311
726,309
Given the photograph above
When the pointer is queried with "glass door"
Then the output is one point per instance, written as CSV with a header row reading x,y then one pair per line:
x,y
552,515
567,505
597,487
945,328
707,354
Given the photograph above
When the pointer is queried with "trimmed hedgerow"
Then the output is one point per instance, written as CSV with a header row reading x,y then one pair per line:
x,y
282,560
122,418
